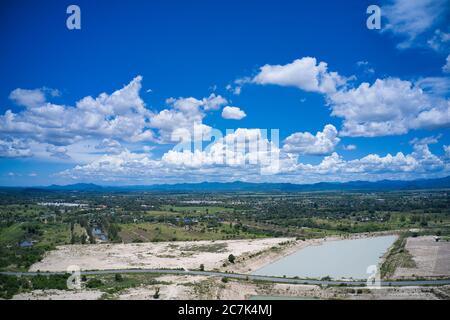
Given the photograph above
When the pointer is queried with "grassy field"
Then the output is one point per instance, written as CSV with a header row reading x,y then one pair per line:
x,y
188,211
54,234
398,257
163,213
47,234
198,209
43,236
111,284
11,235
79,230
145,232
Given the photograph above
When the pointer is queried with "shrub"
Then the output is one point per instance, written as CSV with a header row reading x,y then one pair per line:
x,y
156,295
94,283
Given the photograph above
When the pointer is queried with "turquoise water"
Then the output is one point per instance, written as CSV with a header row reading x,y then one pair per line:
x,y
336,259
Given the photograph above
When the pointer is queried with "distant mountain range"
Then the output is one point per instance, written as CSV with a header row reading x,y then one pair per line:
x,y
238,186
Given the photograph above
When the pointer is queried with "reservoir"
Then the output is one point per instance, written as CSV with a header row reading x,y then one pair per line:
x,y
337,259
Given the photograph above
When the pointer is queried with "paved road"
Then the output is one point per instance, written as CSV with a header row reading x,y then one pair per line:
x,y
242,276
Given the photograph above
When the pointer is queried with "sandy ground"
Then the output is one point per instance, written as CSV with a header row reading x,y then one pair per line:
x,y
250,254
432,258
213,288
245,290
59,295
205,288
186,254
180,288
402,293
167,292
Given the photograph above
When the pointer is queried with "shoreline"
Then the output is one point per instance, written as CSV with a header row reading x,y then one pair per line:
x,y
269,256
251,255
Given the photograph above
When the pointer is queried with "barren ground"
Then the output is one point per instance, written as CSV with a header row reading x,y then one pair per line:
x,y
432,258
186,254
201,288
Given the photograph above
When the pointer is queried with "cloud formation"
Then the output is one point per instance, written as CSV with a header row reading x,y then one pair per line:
x,y
109,146
238,148
447,151
110,137
28,98
121,115
446,67
350,147
388,107
185,116
211,165
14,148
304,143
110,119
58,152
410,20
233,113
306,74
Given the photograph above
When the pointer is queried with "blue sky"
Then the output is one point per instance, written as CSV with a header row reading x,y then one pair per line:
x,y
106,103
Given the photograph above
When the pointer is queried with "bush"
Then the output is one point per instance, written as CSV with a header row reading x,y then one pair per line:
x,y
156,295
231,258
118,277
11,285
224,279
49,282
94,283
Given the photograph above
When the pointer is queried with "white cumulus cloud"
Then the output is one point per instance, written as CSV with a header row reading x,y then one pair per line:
x,y
121,115
322,143
234,113
185,116
305,73
388,107
28,98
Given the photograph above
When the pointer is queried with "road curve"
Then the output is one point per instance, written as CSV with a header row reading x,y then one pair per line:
x,y
244,276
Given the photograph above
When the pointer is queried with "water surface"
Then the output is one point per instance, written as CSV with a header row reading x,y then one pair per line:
x,y
337,259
